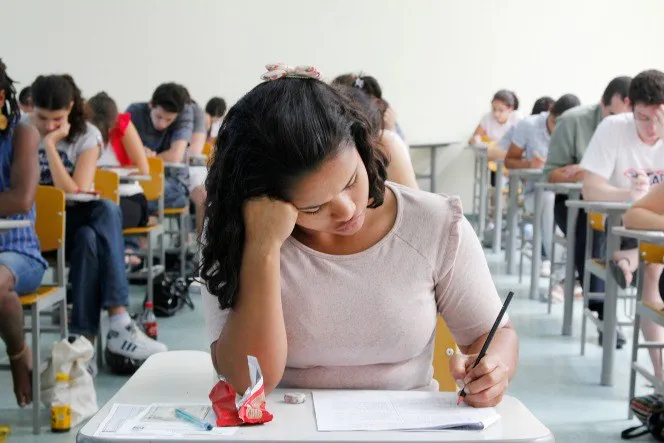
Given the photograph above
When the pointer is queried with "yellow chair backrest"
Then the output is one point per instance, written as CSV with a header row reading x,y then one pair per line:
x,y
444,348
597,221
207,149
50,220
154,188
108,182
651,253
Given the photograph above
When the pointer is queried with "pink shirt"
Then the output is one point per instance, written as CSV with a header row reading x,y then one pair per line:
x,y
367,320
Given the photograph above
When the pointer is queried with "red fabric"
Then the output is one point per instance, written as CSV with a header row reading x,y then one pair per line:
x,y
115,138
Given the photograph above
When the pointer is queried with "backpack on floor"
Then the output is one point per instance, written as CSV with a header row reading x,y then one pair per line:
x,y
171,293
649,409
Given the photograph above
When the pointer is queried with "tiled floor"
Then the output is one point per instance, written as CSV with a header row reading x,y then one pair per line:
x,y
554,381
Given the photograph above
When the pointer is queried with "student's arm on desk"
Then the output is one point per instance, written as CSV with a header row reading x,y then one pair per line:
x,y
20,196
133,144
597,188
174,154
255,326
478,134
84,169
648,212
182,129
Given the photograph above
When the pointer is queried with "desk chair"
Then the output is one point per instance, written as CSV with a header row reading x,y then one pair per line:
x,y
50,227
648,253
598,268
444,349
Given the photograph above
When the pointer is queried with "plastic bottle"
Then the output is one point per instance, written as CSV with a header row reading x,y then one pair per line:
x,y
61,404
149,321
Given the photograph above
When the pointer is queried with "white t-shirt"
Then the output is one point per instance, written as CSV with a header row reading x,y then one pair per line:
x,y
494,130
616,153
108,158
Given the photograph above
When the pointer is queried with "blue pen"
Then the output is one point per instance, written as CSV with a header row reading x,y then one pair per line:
x,y
179,413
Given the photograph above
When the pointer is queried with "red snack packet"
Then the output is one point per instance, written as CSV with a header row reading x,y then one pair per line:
x,y
233,410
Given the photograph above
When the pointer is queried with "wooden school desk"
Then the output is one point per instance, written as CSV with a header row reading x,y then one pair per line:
x,y
613,211
6,225
188,376
516,175
573,191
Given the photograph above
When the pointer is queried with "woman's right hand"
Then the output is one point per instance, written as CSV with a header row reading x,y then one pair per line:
x,y
268,222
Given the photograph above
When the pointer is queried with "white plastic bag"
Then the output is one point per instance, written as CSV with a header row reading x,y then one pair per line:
x,y
73,359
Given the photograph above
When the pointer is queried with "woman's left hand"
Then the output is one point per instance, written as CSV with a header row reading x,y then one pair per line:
x,y
484,384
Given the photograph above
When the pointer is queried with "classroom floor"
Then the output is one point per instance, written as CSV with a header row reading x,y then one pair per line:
x,y
558,385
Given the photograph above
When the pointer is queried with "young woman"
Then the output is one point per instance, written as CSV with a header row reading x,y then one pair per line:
x,y
495,124
215,109
94,245
21,264
329,275
400,169
122,148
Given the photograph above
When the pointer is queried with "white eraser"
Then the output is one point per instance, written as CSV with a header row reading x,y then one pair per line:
x,y
294,398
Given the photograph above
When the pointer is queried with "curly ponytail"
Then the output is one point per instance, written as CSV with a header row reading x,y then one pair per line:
x,y
56,92
10,108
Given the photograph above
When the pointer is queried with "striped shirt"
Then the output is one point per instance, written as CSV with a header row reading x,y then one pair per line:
x,y
21,240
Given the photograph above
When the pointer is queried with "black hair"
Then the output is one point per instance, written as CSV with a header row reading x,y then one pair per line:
x,y
216,107
564,103
10,108
25,96
102,112
620,86
367,84
55,92
171,97
542,104
507,97
273,136
367,106
647,88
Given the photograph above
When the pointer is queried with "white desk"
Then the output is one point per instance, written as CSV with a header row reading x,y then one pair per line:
x,y
573,190
516,175
81,197
174,165
6,225
613,212
188,376
652,237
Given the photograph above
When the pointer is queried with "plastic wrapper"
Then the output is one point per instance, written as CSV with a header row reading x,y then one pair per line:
x,y
234,410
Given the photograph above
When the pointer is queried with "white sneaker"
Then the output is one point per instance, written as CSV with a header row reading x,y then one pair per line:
x,y
545,268
129,347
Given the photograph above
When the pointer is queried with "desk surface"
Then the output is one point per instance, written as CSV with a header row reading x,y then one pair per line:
x,y
6,225
526,173
82,197
174,165
653,237
598,206
188,376
135,178
560,187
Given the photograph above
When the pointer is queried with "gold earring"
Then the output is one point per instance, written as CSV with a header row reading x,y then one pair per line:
x,y
3,122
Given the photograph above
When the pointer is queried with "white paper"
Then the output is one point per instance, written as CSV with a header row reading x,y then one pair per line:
x,y
157,420
396,410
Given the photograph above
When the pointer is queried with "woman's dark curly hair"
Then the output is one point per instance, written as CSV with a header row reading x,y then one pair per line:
x,y
10,109
277,133
56,92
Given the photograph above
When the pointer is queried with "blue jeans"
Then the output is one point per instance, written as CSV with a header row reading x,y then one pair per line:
x,y
27,271
94,247
176,195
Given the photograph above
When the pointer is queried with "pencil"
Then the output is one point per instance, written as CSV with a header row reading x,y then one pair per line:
x,y
487,342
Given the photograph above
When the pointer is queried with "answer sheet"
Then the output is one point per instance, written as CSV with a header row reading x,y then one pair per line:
x,y
396,410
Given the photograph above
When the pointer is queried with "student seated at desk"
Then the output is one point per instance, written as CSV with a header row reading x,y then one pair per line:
x,y
329,275
21,264
94,245
495,124
215,109
542,104
165,125
370,85
122,148
648,214
197,174
569,141
400,169
528,150
623,148
25,100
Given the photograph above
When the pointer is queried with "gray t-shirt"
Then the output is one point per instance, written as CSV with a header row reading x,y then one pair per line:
x,y
160,141
69,152
199,119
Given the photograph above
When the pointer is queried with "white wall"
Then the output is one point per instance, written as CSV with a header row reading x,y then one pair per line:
x,y
438,61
